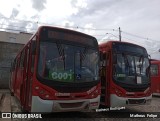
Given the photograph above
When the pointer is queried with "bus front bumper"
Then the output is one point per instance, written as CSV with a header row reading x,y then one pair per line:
x,y
125,101
40,105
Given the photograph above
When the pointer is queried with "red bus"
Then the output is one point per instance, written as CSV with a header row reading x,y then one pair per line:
x,y
56,71
124,73
155,77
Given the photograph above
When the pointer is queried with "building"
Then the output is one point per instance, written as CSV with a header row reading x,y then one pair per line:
x,y
10,44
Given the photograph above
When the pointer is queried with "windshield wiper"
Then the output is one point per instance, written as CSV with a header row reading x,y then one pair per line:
x,y
127,62
141,64
61,52
83,54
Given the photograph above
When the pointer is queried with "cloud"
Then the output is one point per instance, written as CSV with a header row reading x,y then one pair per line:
x,y
129,15
140,17
79,3
14,13
137,17
39,5
1,15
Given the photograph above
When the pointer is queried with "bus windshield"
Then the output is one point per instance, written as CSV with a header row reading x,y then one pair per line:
x,y
67,63
131,69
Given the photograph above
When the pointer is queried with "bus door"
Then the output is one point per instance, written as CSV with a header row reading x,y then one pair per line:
x,y
104,79
28,73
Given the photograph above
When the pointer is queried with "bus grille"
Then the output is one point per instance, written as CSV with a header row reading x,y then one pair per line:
x,y
135,89
138,101
71,105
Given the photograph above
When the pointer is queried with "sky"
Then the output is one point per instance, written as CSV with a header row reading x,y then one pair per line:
x,y
139,20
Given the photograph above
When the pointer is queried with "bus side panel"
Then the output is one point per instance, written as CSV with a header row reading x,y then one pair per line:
x,y
156,82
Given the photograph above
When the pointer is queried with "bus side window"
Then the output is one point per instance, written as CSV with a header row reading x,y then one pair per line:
x,y
22,59
33,53
26,58
33,47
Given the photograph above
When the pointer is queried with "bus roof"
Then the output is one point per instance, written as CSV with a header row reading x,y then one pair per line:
x,y
65,30
114,41
154,61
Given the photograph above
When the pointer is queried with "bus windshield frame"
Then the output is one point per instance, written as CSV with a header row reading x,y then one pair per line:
x,y
67,63
82,56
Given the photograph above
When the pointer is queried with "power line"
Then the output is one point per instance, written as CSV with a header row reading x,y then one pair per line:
x,y
113,35
145,38
73,27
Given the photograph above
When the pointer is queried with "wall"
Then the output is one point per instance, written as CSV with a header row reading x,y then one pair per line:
x,y
10,45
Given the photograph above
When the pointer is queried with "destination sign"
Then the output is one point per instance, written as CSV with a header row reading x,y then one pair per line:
x,y
71,37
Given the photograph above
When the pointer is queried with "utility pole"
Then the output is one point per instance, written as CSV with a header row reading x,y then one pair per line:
x,y
119,34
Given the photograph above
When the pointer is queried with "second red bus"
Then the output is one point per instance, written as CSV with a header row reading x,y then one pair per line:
x,y
125,77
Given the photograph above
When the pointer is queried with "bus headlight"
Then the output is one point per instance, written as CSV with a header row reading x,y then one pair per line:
x,y
37,88
42,93
47,96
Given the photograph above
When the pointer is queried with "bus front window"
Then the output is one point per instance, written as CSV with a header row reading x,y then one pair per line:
x,y
129,67
67,63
